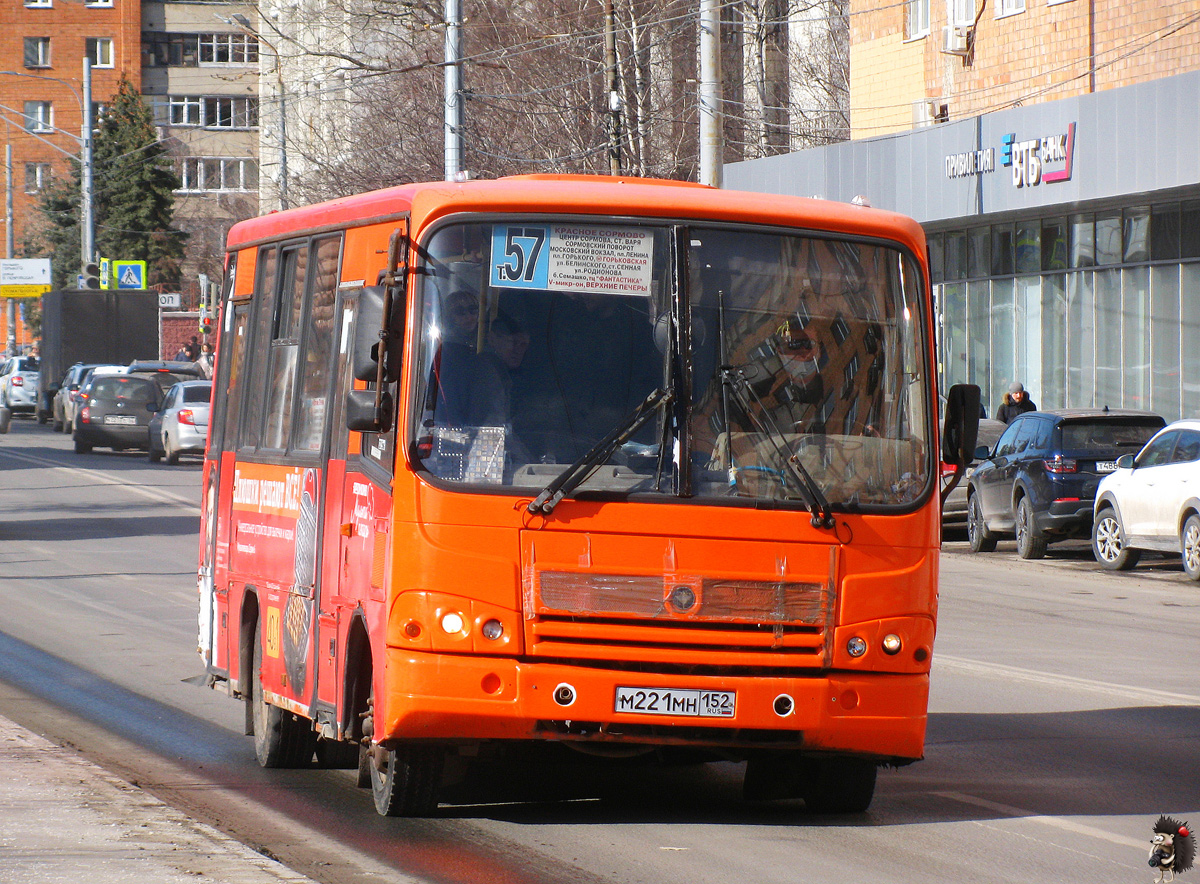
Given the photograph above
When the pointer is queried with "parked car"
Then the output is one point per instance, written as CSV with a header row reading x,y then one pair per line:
x,y
1152,502
180,426
115,411
954,510
67,394
1040,481
165,372
19,383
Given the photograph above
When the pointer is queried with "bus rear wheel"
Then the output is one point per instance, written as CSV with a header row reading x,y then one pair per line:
x,y
405,780
837,785
281,738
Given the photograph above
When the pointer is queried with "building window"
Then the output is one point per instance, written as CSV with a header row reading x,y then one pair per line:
x,y
100,51
230,113
39,4
1009,7
191,50
916,19
185,110
217,174
960,12
92,4
228,49
37,52
37,177
39,116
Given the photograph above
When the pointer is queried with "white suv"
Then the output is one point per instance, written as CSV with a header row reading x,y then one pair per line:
x,y
1152,502
19,383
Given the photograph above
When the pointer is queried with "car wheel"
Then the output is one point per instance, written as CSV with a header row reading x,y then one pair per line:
x,y
1030,544
58,426
1108,543
1190,542
171,454
152,454
980,538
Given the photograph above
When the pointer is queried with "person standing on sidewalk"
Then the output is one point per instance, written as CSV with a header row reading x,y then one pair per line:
x,y
1016,401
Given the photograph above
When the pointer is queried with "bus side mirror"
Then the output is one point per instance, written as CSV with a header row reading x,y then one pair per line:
x,y
363,416
960,433
367,336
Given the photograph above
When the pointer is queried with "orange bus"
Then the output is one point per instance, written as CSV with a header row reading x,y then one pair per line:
x,y
632,466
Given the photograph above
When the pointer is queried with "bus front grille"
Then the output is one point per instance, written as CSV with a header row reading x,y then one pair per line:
x,y
679,620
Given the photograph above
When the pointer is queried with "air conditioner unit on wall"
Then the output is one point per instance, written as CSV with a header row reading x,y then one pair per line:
x,y
954,40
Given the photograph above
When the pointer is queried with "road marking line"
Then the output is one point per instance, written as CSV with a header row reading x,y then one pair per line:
x,y
1054,821
1013,673
100,478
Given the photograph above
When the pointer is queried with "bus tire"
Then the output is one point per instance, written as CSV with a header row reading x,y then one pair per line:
x,y
281,738
337,754
405,780
838,785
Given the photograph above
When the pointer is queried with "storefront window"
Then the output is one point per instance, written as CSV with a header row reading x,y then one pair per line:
x,y
1083,240
1137,234
1029,253
1003,322
1029,319
978,253
1135,322
1108,338
1081,350
978,308
956,255
954,335
1108,239
1189,285
1053,388
1002,250
1189,227
1165,341
1164,232
1054,244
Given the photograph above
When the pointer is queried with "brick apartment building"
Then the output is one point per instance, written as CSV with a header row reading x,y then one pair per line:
x,y
41,93
1048,148
199,73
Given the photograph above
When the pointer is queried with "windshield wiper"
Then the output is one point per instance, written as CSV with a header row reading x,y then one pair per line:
x,y
743,393
575,475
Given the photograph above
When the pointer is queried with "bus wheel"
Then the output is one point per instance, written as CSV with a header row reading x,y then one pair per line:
x,y
405,780
838,785
337,754
281,738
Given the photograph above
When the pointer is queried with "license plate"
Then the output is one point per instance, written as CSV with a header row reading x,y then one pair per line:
x,y
1106,466
124,419
676,701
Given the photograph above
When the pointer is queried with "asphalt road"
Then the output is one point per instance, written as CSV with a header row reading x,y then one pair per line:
x,y
1065,717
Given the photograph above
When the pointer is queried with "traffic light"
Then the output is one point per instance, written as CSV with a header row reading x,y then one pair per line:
x,y
91,276
206,321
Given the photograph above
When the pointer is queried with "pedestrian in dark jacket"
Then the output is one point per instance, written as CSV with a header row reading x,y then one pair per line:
x,y
1016,401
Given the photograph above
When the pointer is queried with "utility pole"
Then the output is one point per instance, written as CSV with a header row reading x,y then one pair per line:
x,y
11,344
87,225
453,88
614,89
712,144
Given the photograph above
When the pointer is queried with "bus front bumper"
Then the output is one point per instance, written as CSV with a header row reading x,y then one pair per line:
x,y
467,699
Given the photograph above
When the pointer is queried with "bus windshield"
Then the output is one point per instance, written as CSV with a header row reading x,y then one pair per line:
x,y
782,366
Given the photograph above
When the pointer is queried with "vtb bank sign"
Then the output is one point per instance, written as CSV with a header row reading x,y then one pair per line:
x,y
1033,161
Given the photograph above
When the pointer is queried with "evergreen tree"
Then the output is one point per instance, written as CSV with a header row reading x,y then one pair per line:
x,y
133,198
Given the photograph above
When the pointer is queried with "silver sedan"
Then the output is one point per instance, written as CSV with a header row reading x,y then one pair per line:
x,y
180,426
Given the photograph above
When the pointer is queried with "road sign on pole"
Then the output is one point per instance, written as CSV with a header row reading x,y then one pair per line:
x,y
129,274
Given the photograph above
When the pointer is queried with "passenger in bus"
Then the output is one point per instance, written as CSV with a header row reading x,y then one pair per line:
x,y
492,390
456,362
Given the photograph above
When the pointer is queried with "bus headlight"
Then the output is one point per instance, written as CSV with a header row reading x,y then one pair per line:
x,y
492,629
856,647
891,644
452,623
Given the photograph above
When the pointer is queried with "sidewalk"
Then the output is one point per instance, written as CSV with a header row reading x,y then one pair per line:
x,y
63,819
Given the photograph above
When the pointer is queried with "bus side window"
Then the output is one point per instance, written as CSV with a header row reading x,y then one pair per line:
x,y
259,343
312,408
284,347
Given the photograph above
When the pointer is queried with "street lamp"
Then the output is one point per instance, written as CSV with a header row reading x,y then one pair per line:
x,y
87,226
244,23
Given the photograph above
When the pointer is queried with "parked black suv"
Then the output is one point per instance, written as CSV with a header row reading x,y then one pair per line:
x,y
1040,481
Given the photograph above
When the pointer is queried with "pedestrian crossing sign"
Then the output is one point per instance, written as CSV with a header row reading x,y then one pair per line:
x,y
129,274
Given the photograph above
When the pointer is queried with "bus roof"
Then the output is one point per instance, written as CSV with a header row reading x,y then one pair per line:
x,y
577,195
